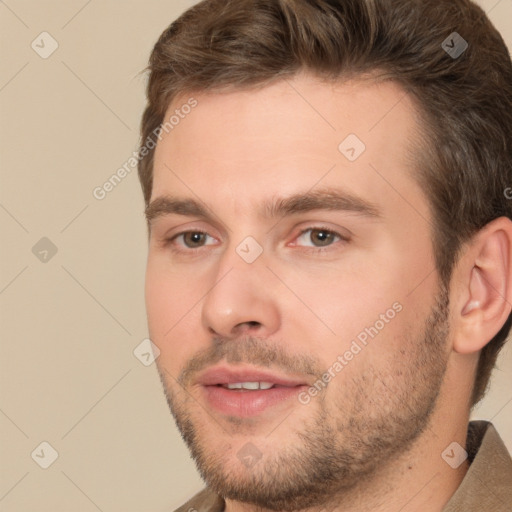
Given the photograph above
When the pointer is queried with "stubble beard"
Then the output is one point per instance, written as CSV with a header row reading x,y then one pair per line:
x,y
341,444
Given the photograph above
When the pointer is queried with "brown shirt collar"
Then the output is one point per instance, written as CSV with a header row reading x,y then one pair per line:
x,y
487,485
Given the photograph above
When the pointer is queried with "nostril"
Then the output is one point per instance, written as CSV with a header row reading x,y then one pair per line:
x,y
250,323
245,329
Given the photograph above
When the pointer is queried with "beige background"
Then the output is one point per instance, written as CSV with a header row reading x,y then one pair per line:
x,y
68,373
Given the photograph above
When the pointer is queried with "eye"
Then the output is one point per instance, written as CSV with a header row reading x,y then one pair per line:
x,y
315,237
318,237
192,239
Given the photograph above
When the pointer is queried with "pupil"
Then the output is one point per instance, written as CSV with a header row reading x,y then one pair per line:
x,y
324,237
195,238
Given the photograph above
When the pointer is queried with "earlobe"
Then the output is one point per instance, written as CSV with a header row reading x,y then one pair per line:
x,y
488,287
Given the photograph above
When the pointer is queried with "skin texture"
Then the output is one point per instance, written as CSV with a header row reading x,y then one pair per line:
x,y
372,438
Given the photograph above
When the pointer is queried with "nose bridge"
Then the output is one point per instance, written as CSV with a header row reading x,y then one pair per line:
x,y
237,295
244,258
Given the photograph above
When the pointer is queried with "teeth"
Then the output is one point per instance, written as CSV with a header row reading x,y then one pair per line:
x,y
250,385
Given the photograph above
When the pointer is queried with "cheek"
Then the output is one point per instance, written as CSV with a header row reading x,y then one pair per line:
x,y
356,299
173,309
159,301
169,294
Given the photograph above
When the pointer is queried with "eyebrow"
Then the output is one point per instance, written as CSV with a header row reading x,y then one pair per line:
x,y
326,199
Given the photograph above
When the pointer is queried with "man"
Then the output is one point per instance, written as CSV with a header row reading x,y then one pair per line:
x,y
329,275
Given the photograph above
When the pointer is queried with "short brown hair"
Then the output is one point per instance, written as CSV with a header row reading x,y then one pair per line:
x,y
465,163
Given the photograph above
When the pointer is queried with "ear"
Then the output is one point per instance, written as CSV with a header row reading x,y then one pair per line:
x,y
483,293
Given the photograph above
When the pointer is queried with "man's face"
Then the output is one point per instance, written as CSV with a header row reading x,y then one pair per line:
x,y
309,269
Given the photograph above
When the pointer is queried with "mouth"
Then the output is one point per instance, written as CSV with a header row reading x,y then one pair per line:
x,y
249,386
246,392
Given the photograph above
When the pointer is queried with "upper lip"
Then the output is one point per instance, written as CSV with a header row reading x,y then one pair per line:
x,y
224,375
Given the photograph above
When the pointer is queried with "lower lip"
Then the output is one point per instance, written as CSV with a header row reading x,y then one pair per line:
x,y
248,403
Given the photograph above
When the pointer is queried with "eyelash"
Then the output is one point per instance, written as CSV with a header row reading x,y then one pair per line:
x,y
169,242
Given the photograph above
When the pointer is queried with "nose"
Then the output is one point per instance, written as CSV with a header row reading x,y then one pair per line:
x,y
238,302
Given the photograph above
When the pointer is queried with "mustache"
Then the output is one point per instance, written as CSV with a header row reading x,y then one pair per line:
x,y
249,350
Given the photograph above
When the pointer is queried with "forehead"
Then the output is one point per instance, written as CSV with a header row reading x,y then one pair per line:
x,y
236,148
